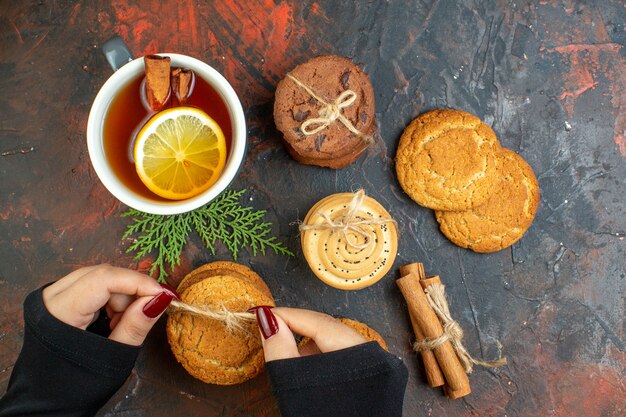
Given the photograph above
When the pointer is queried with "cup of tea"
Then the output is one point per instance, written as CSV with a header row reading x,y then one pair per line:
x,y
119,112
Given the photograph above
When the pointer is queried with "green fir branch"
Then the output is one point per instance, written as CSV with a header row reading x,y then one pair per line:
x,y
224,220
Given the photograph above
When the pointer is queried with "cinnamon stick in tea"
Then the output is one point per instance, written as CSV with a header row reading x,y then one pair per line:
x,y
157,81
450,393
181,84
430,325
431,367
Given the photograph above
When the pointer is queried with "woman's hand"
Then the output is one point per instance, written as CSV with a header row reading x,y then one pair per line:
x,y
276,326
133,301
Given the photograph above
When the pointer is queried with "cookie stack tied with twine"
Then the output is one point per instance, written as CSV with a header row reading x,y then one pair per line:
x,y
438,336
349,240
210,331
325,110
485,197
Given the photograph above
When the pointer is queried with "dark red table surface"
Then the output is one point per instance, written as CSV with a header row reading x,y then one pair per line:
x,y
548,76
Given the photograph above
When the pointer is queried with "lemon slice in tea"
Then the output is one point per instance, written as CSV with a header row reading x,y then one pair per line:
x,y
180,153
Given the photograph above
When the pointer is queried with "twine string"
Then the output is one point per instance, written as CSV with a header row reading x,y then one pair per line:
x,y
452,332
233,320
346,223
329,112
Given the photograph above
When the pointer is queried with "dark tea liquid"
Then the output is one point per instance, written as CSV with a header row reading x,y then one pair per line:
x,y
126,116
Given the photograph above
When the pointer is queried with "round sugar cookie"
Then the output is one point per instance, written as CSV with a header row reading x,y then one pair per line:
x,y
504,218
221,268
448,160
205,347
347,265
361,328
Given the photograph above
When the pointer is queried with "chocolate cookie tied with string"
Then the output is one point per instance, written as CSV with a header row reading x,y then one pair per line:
x,y
349,240
325,110
210,331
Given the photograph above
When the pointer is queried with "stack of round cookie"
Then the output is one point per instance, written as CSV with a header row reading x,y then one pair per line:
x,y
354,253
485,197
325,110
205,347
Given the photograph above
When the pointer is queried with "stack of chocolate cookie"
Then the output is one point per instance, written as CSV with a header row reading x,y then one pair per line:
x,y
485,197
325,110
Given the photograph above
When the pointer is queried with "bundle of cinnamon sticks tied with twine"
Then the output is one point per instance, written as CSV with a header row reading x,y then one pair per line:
x,y
438,337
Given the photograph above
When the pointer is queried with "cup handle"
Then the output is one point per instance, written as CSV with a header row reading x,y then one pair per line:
x,y
117,53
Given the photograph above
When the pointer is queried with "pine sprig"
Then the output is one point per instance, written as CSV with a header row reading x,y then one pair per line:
x,y
224,220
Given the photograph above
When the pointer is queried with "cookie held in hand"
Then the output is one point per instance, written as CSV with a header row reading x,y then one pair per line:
x,y
325,110
206,348
223,268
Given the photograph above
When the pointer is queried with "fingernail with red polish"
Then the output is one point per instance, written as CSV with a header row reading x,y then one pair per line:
x,y
158,304
266,319
170,290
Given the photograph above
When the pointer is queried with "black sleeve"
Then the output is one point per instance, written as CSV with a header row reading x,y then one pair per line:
x,y
63,370
363,380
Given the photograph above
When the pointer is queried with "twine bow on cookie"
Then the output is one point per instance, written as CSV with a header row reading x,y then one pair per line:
x,y
452,332
231,319
329,112
347,222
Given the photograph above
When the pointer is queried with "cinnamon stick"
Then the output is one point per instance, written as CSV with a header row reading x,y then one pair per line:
x,y
415,267
429,323
428,281
181,84
157,81
431,367
450,393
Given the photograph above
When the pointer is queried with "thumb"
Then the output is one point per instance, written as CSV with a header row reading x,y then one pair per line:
x,y
139,318
278,341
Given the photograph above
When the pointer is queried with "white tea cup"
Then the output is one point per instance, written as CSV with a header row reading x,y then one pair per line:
x,y
95,136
